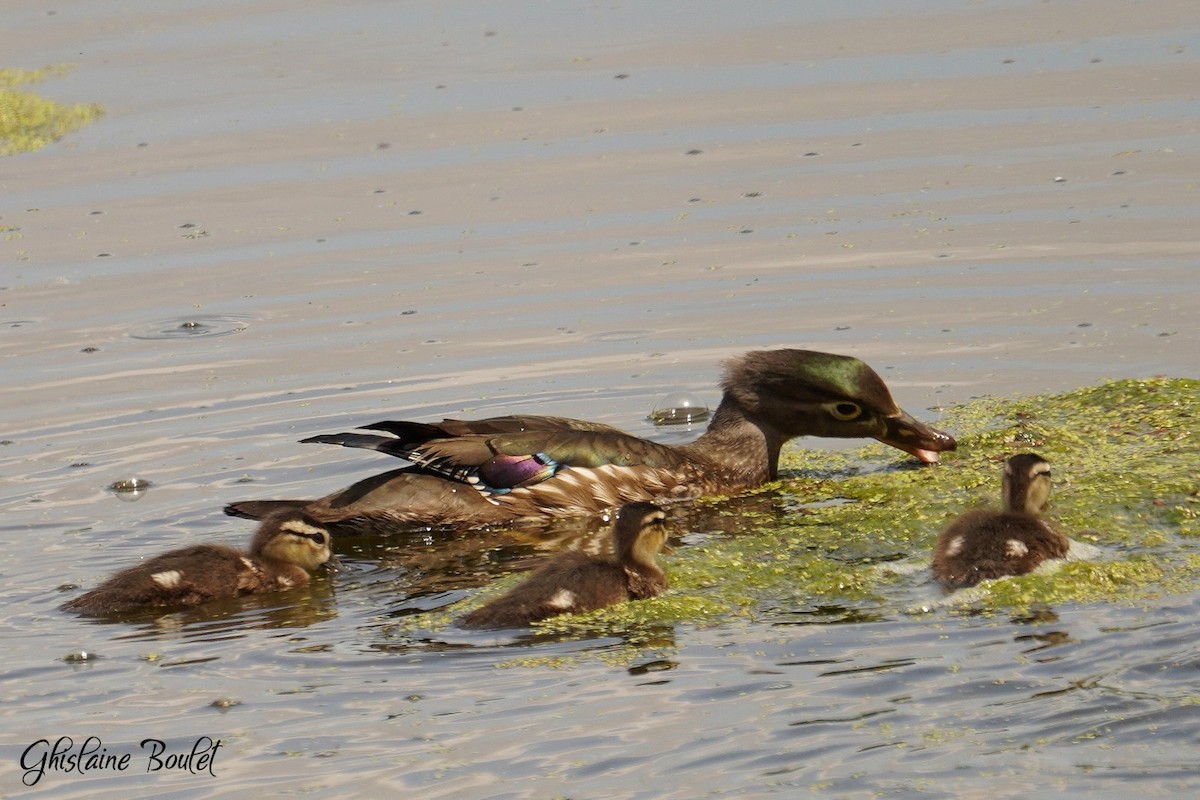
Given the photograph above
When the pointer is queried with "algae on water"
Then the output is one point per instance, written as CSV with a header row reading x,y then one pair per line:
x,y
29,122
820,544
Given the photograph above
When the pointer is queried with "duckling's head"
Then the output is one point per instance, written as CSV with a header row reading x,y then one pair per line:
x,y
294,537
639,532
1026,483
807,393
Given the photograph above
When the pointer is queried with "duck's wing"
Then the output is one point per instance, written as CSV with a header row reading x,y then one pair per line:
x,y
497,464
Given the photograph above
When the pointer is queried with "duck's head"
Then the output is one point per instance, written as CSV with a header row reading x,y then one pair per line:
x,y
807,393
293,537
1026,483
639,532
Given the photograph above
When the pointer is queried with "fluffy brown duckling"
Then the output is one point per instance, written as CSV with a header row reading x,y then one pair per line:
x,y
286,547
519,468
575,582
991,544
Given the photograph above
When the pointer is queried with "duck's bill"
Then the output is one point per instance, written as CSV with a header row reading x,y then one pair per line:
x,y
904,432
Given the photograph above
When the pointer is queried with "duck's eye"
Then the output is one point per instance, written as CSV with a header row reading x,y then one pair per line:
x,y
846,411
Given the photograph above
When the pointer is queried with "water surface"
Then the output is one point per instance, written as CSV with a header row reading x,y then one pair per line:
x,y
416,210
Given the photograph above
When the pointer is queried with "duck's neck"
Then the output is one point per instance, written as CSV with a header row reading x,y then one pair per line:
x,y
1011,502
1024,498
643,579
745,449
642,553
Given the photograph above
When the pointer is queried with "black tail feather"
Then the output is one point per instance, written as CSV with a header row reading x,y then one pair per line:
x,y
258,509
367,441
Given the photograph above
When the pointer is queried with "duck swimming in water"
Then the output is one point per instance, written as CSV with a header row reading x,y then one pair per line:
x,y
991,544
519,468
574,582
286,547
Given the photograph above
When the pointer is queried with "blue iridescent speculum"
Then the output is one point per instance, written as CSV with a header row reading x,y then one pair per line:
x,y
503,473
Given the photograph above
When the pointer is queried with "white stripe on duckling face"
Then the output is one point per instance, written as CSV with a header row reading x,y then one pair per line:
x,y
563,598
302,528
169,579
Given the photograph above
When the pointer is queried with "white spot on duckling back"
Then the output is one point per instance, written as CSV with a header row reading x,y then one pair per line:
x,y
955,547
248,564
284,582
169,579
1015,548
563,598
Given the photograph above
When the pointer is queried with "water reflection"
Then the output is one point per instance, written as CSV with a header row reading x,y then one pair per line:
x,y
228,618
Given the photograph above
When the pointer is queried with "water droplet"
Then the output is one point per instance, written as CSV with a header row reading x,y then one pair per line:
x,y
679,408
129,489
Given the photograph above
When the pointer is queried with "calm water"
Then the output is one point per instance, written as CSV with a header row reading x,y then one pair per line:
x,y
292,221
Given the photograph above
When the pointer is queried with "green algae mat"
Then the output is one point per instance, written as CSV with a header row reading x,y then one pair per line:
x,y
29,122
844,536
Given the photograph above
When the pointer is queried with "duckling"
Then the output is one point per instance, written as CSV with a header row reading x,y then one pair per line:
x,y
990,544
285,548
575,582
519,468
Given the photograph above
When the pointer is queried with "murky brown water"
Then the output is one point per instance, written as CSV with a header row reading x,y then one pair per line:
x,y
295,220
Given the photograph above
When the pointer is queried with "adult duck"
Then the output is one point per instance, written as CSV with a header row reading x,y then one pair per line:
x,y
522,468
574,582
1013,541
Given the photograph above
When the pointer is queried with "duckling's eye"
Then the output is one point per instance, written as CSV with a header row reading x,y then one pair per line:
x,y
846,411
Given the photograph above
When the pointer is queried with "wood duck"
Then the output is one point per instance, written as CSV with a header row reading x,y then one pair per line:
x,y
286,547
991,544
573,582
518,468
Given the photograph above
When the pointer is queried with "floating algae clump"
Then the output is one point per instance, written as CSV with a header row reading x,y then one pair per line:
x,y
846,536
29,122
1125,462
